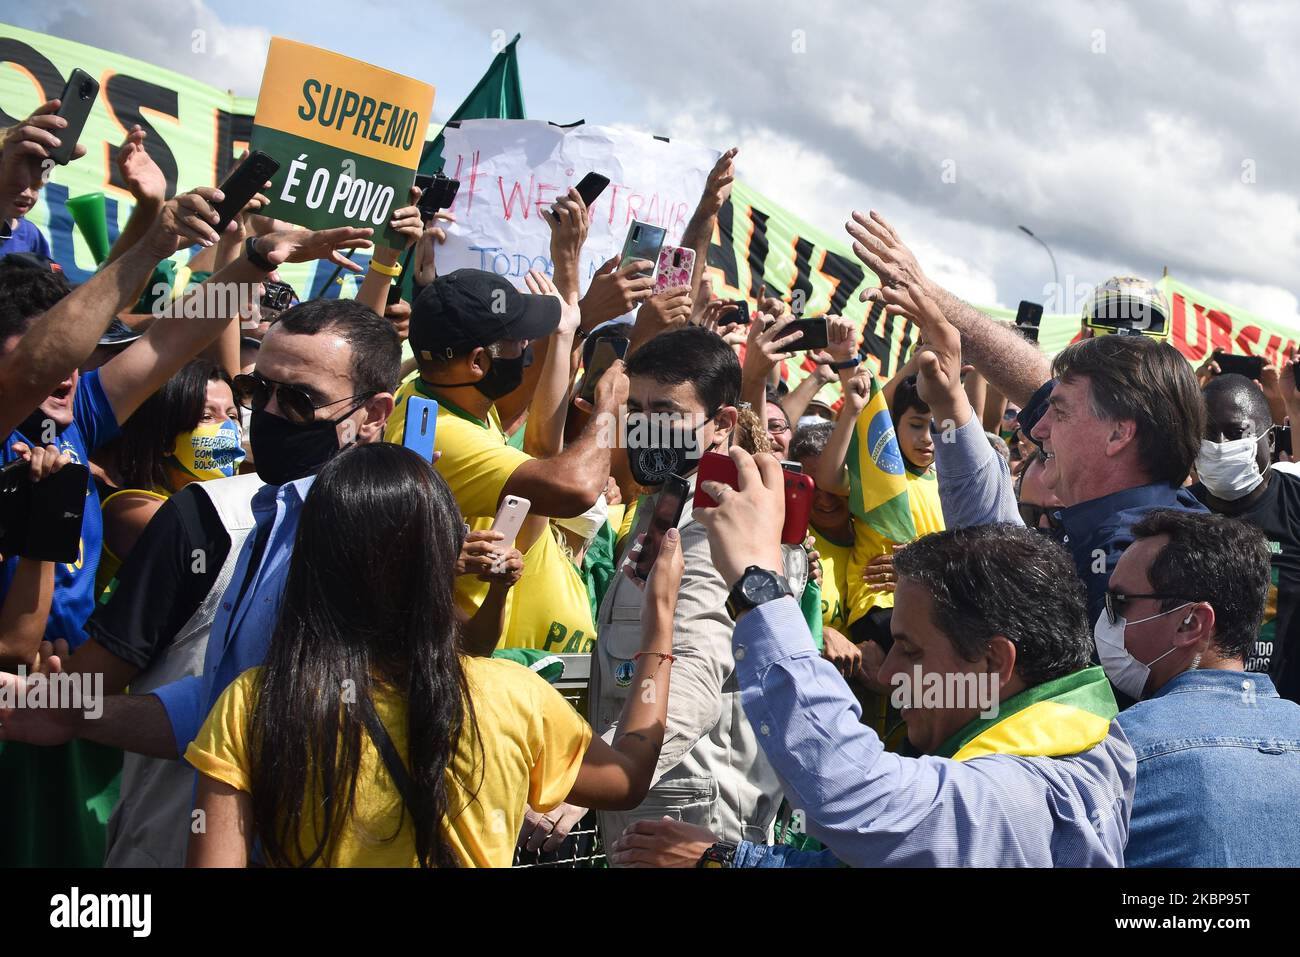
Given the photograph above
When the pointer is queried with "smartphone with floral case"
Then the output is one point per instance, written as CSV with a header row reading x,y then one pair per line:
x,y
676,263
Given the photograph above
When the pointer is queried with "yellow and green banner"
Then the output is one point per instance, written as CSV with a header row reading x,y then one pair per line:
x,y
347,135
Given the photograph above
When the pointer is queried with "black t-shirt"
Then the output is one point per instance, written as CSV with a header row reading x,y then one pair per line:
x,y
1277,514
163,581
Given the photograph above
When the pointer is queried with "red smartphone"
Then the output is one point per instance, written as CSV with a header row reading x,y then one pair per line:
x,y
798,494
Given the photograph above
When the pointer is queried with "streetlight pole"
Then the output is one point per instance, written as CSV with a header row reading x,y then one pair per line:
x,y
1056,277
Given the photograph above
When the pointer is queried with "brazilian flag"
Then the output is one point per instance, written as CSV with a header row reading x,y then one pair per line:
x,y
878,474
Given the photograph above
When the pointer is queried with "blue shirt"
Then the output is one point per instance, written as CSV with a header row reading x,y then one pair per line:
x,y
241,633
871,808
25,238
1218,758
93,424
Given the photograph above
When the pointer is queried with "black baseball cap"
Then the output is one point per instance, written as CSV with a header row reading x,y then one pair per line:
x,y
469,308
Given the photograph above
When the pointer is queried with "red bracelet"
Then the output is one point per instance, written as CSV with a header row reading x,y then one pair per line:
x,y
659,654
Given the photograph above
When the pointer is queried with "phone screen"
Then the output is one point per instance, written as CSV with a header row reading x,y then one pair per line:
x,y
668,512
815,334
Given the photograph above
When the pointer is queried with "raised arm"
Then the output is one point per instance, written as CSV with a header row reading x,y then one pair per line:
x,y
699,230
617,777
1010,363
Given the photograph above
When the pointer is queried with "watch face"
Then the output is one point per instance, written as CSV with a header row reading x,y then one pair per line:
x,y
760,586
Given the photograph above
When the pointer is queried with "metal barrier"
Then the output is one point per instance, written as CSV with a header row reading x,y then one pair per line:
x,y
582,848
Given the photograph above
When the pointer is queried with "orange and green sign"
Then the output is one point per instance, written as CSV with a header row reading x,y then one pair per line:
x,y
347,136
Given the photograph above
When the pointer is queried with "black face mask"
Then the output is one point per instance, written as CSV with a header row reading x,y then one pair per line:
x,y
284,451
502,377
651,464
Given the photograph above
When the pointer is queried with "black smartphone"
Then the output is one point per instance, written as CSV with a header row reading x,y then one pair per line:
x,y
277,295
668,512
1028,317
1252,367
75,101
816,334
643,242
592,185
1281,442
603,355
439,192
42,521
244,182
742,313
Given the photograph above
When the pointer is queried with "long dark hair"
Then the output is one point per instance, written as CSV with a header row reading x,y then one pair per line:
x,y
149,434
368,602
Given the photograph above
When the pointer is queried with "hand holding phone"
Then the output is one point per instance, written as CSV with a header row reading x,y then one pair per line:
x,y
510,519
421,426
75,103
244,182
669,505
606,351
716,467
1252,367
643,242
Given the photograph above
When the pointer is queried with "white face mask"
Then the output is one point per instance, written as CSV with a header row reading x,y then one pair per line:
x,y
586,525
1229,469
1124,671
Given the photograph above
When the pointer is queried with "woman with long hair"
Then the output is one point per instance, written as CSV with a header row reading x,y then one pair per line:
x,y
187,431
368,737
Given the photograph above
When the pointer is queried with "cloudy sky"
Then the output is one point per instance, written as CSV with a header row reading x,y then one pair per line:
x,y
1129,136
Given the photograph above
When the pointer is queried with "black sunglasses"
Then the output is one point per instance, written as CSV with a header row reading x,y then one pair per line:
x,y
1117,600
253,392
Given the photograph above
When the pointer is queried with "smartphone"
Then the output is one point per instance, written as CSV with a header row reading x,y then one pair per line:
x,y
244,182
1028,317
75,101
1281,442
1252,367
603,355
742,314
816,333
592,185
421,426
668,512
798,494
42,525
676,264
510,519
643,242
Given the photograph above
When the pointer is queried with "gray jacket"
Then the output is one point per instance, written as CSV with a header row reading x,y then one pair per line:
x,y
711,770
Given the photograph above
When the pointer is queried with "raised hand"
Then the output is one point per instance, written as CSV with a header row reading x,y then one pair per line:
x,y
304,245
139,171
539,284
717,188
615,291
878,245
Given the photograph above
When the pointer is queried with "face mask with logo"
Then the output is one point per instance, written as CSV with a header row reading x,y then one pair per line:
x,y
284,451
652,461
1229,470
1124,671
211,450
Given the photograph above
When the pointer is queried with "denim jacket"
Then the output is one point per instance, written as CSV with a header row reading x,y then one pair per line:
x,y
1218,781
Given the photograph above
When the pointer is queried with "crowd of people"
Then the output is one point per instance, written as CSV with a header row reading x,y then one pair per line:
x,y
1066,636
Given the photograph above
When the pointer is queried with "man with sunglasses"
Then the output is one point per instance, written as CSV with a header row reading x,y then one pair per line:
x,y
1037,504
1218,751
1237,479
213,560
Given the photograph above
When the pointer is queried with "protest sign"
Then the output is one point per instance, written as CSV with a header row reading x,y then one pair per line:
x,y
510,170
347,135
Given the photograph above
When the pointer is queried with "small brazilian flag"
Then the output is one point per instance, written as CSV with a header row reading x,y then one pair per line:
x,y
877,475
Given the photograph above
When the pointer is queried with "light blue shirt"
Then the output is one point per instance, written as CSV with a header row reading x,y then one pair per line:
x,y
1218,756
241,634
871,808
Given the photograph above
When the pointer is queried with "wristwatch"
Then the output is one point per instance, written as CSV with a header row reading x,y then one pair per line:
x,y
755,587
255,257
719,854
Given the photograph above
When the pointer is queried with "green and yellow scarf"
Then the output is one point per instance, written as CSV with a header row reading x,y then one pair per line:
x,y
1068,715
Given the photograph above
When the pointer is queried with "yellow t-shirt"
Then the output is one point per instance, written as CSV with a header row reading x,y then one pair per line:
x,y
835,563
533,743
548,608
927,516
